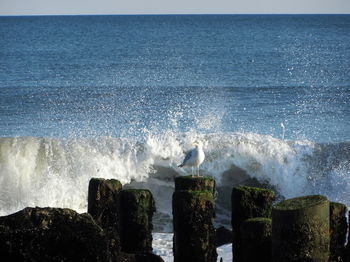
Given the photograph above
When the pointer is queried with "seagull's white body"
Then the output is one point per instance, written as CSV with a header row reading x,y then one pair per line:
x,y
195,157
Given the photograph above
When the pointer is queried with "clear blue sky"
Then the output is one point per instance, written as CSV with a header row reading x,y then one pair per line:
x,y
56,7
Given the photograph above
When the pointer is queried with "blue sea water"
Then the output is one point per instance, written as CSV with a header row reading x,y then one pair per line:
x,y
124,96
116,75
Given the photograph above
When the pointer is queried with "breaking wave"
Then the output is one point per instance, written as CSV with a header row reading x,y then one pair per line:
x,y
55,172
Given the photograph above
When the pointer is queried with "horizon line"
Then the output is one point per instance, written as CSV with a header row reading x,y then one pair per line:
x,y
172,14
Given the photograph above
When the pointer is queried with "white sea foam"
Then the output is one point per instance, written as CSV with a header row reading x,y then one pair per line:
x,y
225,252
56,172
163,246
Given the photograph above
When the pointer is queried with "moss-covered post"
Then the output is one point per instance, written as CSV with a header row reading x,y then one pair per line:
x,y
103,207
193,214
300,229
256,239
195,183
103,195
137,207
338,230
248,202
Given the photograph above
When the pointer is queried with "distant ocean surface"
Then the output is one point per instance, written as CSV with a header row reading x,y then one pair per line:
x,y
125,96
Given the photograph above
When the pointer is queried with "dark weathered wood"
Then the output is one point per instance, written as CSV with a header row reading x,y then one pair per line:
x,y
256,239
195,183
300,229
103,206
136,208
338,230
248,202
102,195
194,232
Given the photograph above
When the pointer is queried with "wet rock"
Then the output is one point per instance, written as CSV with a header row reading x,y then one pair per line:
x,y
223,236
52,234
300,229
137,207
256,239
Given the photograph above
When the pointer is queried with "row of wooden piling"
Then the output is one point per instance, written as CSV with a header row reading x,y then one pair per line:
x,y
125,214
307,228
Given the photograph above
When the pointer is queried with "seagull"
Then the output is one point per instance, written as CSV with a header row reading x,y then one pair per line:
x,y
195,157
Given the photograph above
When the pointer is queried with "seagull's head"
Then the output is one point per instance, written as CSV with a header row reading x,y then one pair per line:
x,y
197,144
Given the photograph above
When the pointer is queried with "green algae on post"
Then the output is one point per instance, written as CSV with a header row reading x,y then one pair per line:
x,y
256,239
103,206
195,183
248,202
194,232
136,207
300,229
102,193
300,202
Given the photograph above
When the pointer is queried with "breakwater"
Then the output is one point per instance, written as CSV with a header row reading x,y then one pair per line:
x,y
118,226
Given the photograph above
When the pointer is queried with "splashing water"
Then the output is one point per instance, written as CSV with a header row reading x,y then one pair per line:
x,y
56,172
100,102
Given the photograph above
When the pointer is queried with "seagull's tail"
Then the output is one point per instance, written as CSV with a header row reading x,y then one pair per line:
x,y
181,165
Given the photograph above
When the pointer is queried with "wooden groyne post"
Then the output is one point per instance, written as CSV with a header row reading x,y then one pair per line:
x,y
193,214
125,216
300,229
256,239
136,208
338,231
248,202
103,206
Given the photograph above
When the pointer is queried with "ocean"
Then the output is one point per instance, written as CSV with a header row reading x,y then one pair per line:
x,y
125,96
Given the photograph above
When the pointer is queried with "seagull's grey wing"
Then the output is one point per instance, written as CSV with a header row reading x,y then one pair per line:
x,y
187,157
